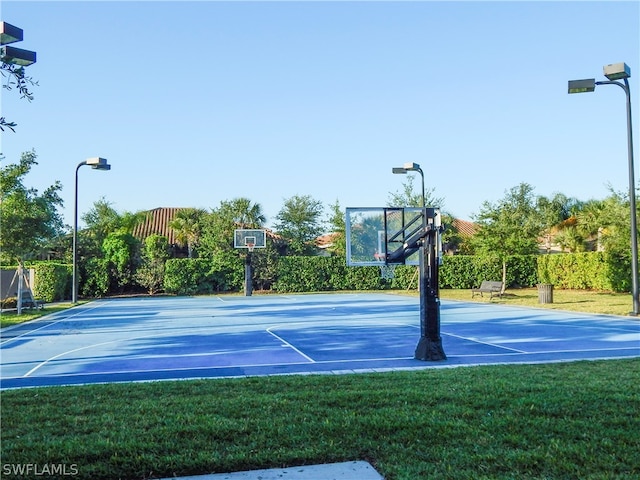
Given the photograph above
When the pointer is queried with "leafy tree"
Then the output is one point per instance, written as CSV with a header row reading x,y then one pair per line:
x,y
554,212
569,236
408,197
597,224
104,272
28,220
452,239
101,221
188,227
218,226
299,223
121,252
510,226
338,230
150,274
609,221
243,212
16,77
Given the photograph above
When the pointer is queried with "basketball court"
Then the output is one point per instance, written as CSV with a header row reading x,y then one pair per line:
x,y
175,338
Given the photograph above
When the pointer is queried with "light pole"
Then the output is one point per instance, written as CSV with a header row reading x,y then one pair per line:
x,y
17,56
412,167
615,72
96,163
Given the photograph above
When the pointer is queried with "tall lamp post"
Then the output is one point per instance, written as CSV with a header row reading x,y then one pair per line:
x,y
615,72
96,163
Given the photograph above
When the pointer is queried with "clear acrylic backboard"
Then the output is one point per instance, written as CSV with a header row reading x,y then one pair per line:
x,y
374,232
249,238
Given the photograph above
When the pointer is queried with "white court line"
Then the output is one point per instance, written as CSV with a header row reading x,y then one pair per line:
x,y
42,364
423,366
288,344
62,354
486,343
47,325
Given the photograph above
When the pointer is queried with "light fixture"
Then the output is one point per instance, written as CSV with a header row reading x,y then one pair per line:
x,y
9,33
617,71
17,56
582,86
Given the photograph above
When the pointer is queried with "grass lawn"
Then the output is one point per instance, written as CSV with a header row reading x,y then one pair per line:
x,y
576,420
570,420
574,300
9,318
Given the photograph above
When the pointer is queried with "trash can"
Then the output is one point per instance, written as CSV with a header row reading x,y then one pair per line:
x,y
545,293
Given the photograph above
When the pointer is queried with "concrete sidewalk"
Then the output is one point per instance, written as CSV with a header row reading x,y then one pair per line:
x,y
332,471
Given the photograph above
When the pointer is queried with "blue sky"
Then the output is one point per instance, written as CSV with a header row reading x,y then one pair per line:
x,y
194,103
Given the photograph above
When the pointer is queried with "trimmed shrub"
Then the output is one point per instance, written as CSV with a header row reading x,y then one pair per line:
x,y
589,270
187,276
95,282
304,274
406,277
366,278
53,281
522,270
225,273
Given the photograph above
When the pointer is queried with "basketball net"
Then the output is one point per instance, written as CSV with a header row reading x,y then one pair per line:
x,y
387,272
250,246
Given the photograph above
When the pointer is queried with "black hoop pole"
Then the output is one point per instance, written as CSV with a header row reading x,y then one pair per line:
x,y
430,343
248,286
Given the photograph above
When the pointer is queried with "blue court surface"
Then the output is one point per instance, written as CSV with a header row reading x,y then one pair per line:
x,y
167,338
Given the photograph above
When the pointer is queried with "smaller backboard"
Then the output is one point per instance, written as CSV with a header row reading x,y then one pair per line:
x,y
373,233
249,238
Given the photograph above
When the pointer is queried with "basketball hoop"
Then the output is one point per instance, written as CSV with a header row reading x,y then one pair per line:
x,y
387,272
250,246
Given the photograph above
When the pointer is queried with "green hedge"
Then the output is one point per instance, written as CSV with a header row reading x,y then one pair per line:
x,y
53,281
93,277
586,271
187,276
191,276
225,272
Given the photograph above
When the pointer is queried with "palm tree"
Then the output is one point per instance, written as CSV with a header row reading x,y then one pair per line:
x,y
187,224
244,213
222,221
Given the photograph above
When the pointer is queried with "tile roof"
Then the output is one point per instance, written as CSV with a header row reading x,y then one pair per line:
x,y
157,222
465,227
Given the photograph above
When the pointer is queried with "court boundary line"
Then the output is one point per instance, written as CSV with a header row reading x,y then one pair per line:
x,y
342,361
320,372
268,330
515,350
